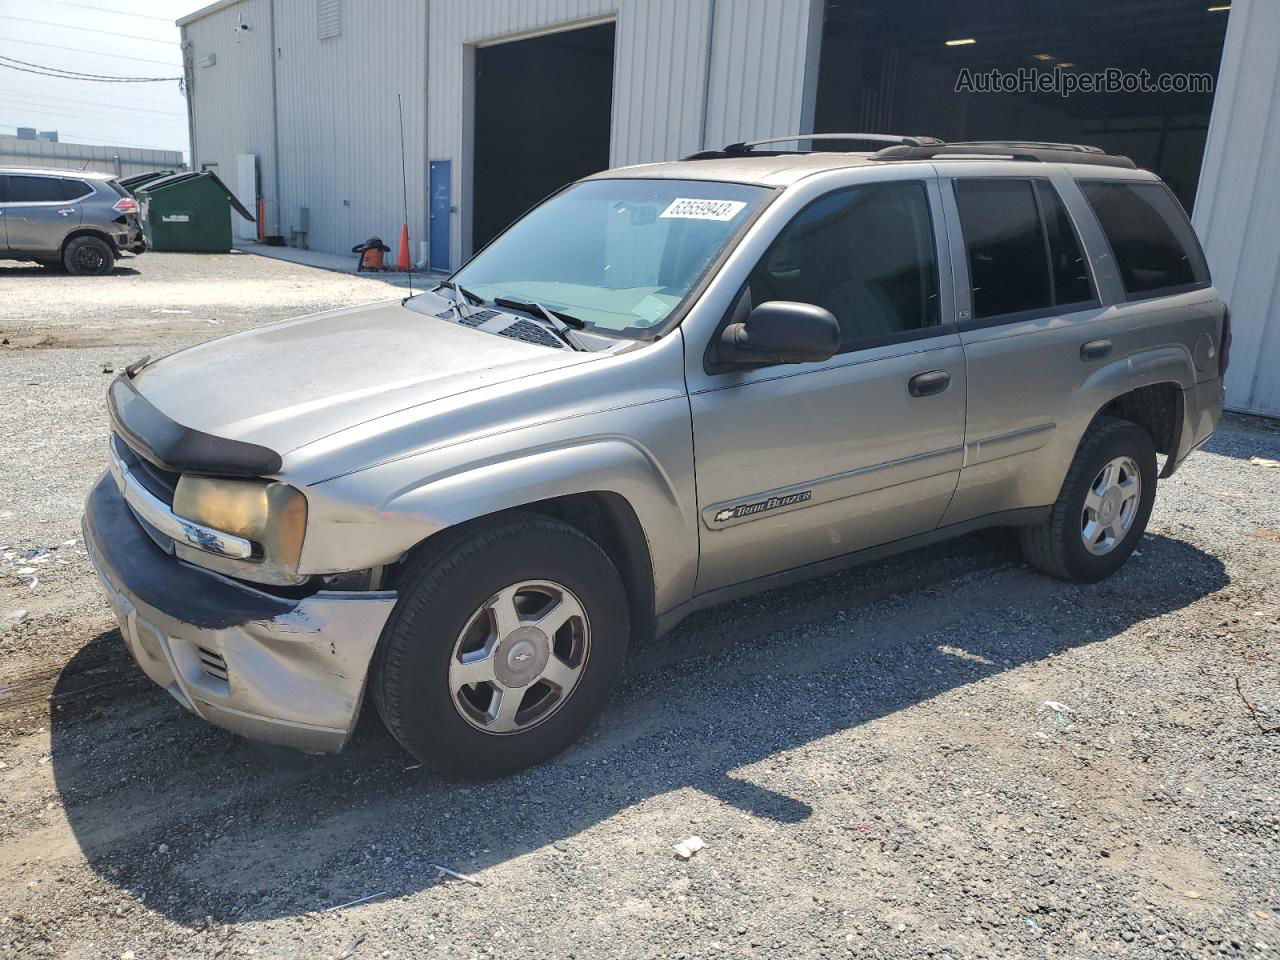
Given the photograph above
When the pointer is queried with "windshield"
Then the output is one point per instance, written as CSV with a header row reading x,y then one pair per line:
x,y
619,255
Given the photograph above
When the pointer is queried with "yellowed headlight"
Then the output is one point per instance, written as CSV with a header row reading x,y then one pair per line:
x,y
273,515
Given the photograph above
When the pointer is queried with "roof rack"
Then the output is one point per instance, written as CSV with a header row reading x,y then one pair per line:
x,y
749,146
1007,150
927,148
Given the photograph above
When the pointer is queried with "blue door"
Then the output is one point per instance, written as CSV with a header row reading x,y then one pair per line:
x,y
440,183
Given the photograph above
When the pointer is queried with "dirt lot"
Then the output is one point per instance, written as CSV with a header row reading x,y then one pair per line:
x,y
872,758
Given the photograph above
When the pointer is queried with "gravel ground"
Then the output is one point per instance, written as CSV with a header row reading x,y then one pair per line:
x,y
871,757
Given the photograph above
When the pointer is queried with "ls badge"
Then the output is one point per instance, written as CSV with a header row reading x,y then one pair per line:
x,y
761,506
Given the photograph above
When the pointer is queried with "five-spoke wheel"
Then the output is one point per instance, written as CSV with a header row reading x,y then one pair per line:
x,y
520,656
506,640
1111,505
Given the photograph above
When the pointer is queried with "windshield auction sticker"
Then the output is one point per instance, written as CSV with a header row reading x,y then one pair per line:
x,y
689,208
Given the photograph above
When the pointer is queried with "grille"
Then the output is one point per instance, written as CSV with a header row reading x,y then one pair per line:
x,y
530,332
213,664
471,319
161,483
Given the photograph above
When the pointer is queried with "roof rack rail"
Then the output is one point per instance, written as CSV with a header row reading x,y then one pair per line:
x,y
1006,150
749,146
1028,145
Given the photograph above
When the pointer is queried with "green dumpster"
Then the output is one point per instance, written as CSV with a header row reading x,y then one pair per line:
x,y
190,212
136,181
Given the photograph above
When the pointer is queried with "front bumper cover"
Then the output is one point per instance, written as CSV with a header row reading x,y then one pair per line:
x,y
275,669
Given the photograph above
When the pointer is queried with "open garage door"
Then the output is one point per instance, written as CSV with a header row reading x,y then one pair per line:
x,y
893,66
542,116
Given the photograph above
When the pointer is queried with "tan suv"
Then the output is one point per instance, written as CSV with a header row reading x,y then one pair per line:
x,y
665,387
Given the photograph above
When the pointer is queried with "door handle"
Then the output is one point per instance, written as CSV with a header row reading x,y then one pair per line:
x,y
1095,350
927,384
67,211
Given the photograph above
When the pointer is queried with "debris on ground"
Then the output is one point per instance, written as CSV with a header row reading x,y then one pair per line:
x,y
351,948
352,903
688,847
1264,462
1253,711
442,872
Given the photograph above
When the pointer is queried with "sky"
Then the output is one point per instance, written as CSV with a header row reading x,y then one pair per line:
x,y
107,37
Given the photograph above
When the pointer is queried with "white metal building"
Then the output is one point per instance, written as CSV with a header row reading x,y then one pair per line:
x,y
122,161
299,103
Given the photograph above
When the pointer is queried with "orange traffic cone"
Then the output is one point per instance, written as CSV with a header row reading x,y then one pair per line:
x,y
402,262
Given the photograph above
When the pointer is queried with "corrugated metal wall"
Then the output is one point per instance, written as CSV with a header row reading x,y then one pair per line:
x,y
668,99
687,74
1238,203
230,90
339,125
85,156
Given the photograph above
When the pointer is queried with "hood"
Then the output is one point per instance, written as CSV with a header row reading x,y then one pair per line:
x,y
289,384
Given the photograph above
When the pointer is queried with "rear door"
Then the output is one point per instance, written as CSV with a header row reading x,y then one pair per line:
x,y
38,214
797,464
1034,329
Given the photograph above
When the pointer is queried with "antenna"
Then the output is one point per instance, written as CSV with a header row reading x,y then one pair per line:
x,y
404,184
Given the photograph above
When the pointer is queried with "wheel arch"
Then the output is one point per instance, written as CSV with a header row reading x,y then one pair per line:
x,y
1159,409
83,231
610,488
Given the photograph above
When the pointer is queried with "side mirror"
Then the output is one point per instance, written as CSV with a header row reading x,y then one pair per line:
x,y
781,331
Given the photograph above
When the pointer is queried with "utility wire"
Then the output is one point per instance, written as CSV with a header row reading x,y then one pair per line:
x,y
49,100
75,73
122,13
40,71
70,26
96,53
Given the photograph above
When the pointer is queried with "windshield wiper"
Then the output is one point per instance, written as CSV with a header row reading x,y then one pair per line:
x,y
561,323
461,295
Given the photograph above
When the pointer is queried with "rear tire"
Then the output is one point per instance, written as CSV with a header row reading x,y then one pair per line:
x,y
88,256
1103,508
454,616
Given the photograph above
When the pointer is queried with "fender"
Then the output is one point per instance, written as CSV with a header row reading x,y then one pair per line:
x,y
661,495
1169,364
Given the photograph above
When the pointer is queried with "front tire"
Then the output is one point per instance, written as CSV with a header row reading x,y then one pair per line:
x,y
1103,508
503,647
88,256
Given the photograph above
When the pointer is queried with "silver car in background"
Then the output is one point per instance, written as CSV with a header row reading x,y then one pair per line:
x,y
81,221
667,386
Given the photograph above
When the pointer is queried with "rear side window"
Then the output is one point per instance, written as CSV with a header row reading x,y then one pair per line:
x,y
34,189
866,254
1022,248
1155,248
75,189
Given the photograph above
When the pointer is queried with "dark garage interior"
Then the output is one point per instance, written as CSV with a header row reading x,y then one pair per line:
x,y
543,108
886,67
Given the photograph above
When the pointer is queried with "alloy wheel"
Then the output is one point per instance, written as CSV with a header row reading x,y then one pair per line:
x,y
520,657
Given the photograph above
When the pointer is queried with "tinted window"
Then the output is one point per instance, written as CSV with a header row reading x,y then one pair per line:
x,y
1069,269
30,189
1151,238
866,254
1008,270
74,189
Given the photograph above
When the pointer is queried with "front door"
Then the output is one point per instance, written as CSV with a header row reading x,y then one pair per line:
x,y
36,214
799,464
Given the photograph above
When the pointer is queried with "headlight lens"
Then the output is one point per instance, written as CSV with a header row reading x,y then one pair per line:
x,y
271,514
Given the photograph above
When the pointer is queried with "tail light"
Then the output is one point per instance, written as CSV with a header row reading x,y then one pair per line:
x,y
125,205
1224,344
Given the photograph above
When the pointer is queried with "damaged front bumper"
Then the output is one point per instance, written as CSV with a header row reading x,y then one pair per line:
x,y
275,669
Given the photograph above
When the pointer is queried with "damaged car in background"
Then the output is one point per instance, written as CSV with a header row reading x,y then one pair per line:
x,y
665,387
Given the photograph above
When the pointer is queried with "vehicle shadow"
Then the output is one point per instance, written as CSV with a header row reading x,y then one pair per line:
x,y
206,825
38,271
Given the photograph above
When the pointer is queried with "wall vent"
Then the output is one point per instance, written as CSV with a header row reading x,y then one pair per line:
x,y
328,19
